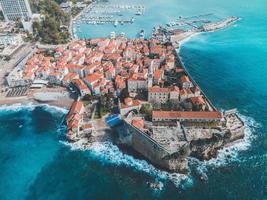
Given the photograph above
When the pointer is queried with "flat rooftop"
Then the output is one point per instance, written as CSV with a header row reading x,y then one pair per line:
x,y
200,133
171,138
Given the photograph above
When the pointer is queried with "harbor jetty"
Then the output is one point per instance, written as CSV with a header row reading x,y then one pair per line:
x,y
219,25
175,32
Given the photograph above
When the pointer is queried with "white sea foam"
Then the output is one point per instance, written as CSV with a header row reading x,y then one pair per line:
x,y
187,39
17,107
31,106
54,108
108,153
231,153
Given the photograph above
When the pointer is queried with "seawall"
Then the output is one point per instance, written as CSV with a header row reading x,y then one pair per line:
x,y
154,152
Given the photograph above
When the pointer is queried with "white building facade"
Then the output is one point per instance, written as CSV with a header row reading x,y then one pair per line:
x,y
13,9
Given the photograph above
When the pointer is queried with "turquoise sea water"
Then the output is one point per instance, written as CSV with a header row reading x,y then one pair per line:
x,y
229,65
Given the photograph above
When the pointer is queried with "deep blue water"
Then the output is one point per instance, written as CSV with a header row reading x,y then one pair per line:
x,y
229,65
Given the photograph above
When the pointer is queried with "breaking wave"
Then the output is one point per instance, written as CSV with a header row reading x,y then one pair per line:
x,y
31,106
229,154
17,107
110,154
54,108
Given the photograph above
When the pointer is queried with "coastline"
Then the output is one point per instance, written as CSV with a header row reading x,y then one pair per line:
x,y
184,38
187,39
231,150
27,100
11,103
180,59
86,144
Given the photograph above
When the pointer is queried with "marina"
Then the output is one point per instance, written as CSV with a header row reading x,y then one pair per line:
x,y
100,13
113,17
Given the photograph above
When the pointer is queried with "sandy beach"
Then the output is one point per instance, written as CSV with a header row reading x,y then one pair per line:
x,y
63,101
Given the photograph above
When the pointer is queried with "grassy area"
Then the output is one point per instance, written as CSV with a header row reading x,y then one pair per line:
x,y
103,112
86,102
100,112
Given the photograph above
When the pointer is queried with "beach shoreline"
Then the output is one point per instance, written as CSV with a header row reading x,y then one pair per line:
x,y
64,102
26,102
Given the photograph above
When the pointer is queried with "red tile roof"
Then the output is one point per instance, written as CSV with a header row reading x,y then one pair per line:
x,y
138,123
158,74
93,77
128,101
198,100
157,89
87,126
76,108
70,76
135,103
185,79
79,83
187,115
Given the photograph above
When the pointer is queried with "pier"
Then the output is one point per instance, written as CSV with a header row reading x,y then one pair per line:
x,y
107,20
101,13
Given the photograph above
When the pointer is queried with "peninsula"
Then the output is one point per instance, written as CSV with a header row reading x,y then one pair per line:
x,y
137,87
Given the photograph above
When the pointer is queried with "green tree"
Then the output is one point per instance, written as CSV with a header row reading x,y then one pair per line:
x,y
49,30
147,109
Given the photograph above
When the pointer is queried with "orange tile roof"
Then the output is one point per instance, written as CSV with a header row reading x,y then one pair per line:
x,y
158,74
92,66
185,79
183,92
87,126
29,74
112,56
157,50
157,89
137,77
93,77
69,76
73,124
76,107
174,88
198,100
128,101
120,82
79,83
74,66
186,115
138,123
135,103
60,49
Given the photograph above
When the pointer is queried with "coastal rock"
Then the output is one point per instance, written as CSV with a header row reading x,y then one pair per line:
x,y
156,154
207,148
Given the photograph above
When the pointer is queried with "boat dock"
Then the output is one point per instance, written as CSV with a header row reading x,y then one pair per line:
x,y
200,23
98,21
100,13
175,32
219,25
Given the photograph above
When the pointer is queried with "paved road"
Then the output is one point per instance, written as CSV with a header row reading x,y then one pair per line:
x,y
7,66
